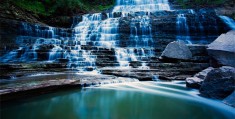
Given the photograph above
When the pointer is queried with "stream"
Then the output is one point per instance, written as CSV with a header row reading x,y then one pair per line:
x,y
136,100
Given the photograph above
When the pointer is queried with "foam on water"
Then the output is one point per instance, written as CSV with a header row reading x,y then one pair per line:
x,y
229,21
175,89
141,5
182,29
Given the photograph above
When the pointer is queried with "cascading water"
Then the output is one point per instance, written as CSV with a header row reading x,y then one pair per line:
x,y
109,32
128,34
128,6
230,22
182,29
141,31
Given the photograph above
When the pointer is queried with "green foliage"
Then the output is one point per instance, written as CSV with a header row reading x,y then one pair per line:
x,y
30,5
62,7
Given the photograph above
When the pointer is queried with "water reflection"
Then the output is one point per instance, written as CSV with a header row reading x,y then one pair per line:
x,y
124,102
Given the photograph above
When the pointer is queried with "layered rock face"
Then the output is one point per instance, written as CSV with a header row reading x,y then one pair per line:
x,y
121,38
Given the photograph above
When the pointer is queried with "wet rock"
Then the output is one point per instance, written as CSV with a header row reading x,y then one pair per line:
x,y
219,83
62,60
177,50
11,66
198,49
31,85
230,100
56,65
197,80
223,50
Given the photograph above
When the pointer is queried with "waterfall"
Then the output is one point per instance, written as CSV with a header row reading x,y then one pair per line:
x,y
230,22
130,36
109,32
141,31
141,5
182,28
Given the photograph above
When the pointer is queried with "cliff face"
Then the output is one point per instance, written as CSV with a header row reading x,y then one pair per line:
x,y
10,17
63,16
225,7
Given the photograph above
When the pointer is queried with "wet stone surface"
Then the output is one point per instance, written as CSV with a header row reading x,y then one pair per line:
x,y
44,82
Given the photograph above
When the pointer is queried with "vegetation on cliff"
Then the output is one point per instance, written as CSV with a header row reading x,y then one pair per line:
x,y
225,7
58,12
63,7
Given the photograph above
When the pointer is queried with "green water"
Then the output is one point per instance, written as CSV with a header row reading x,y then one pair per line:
x,y
124,101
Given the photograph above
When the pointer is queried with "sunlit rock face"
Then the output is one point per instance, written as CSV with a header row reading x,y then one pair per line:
x,y
223,50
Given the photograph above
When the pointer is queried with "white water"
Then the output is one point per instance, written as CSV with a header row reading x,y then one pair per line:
x,y
182,29
102,31
229,21
169,89
127,6
141,31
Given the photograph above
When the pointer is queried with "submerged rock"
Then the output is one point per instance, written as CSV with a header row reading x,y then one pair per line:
x,y
223,49
219,83
197,80
230,100
177,50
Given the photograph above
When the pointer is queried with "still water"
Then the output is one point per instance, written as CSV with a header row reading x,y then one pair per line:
x,y
139,100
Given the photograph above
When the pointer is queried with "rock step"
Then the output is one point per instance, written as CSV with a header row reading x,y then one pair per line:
x,y
108,64
158,65
181,64
148,74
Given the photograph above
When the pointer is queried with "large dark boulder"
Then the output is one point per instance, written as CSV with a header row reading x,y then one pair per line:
x,y
177,50
223,49
219,83
197,80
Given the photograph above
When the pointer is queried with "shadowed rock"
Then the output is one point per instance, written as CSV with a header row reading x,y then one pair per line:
x,y
219,83
197,80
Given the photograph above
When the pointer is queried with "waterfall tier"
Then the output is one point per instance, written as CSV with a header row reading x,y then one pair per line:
x,y
132,35
128,6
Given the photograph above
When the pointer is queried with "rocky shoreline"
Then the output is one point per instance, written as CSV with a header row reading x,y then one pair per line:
x,y
48,82
212,82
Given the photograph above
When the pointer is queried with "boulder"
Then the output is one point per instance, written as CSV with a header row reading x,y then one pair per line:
x,y
196,80
219,83
230,100
177,50
223,49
